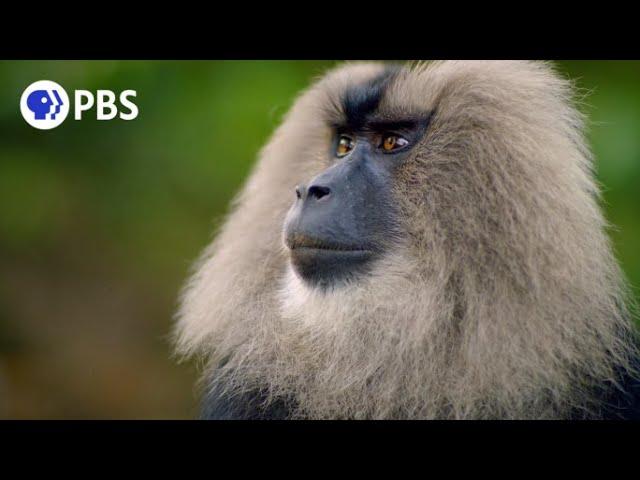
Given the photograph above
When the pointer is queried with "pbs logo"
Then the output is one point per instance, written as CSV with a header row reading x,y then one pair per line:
x,y
45,104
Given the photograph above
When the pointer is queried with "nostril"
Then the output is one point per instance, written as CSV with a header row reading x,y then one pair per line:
x,y
319,192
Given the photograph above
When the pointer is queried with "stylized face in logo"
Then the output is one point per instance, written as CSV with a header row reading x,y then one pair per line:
x,y
44,104
41,103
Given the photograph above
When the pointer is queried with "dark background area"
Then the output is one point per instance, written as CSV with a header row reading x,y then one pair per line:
x,y
100,221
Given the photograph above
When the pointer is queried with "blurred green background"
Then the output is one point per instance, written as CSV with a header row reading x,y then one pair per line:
x,y
100,221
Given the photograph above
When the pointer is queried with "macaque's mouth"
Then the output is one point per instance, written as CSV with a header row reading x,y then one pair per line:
x,y
302,242
322,262
333,258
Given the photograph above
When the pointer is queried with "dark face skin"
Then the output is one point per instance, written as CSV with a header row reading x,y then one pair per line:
x,y
343,219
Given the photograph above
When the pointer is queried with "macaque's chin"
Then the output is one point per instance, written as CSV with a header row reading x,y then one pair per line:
x,y
325,267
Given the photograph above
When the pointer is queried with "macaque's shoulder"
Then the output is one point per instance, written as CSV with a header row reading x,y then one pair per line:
x,y
219,405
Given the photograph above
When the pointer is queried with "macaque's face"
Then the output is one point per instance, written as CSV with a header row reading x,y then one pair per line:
x,y
345,217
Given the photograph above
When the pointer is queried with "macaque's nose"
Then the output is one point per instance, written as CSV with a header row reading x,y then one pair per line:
x,y
313,192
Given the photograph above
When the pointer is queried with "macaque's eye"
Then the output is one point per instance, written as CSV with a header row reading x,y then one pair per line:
x,y
393,142
345,145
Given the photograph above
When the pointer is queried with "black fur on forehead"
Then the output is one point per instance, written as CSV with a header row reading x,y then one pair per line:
x,y
359,102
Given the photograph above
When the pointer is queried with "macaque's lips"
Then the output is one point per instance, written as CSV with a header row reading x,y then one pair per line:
x,y
323,262
297,241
